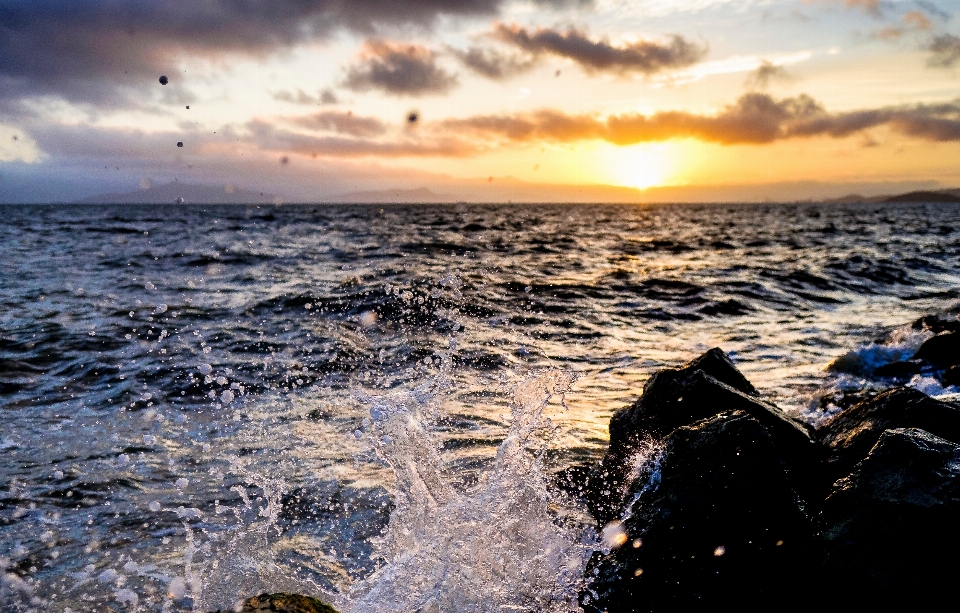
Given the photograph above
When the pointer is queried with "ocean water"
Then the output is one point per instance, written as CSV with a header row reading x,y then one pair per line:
x,y
368,403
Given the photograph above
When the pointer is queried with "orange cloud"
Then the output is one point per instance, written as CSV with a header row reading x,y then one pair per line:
x,y
755,118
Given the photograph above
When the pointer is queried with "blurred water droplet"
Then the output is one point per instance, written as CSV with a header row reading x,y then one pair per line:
x,y
205,369
155,506
182,482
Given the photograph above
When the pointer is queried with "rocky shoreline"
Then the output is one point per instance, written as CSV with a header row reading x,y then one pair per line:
x,y
710,496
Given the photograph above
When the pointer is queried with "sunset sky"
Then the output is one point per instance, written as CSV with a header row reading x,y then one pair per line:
x,y
310,99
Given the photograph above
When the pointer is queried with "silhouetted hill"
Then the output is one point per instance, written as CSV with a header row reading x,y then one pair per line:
x,y
925,196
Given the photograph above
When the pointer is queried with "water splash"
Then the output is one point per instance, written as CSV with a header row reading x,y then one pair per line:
x,y
500,546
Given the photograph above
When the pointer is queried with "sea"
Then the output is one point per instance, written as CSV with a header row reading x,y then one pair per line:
x,y
372,403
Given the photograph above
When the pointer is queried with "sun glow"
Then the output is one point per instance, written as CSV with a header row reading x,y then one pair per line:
x,y
640,166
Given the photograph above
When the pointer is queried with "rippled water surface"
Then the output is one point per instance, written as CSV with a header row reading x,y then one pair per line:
x,y
190,394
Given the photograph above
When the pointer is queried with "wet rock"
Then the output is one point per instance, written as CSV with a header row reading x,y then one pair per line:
x,y
673,398
283,603
890,528
901,370
849,436
936,324
717,523
951,376
942,350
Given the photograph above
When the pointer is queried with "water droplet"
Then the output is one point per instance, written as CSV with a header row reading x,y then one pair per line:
x,y
613,535
182,482
155,506
177,588
205,369
368,318
161,308
149,286
227,397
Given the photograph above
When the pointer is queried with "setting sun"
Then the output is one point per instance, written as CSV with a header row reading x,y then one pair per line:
x,y
639,166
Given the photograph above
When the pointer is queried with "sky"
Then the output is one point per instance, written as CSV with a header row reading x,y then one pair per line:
x,y
307,100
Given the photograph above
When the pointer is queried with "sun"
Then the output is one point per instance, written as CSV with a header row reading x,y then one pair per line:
x,y
640,166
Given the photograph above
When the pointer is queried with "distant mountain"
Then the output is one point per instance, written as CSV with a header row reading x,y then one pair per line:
x,y
174,193
924,196
419,194
927,195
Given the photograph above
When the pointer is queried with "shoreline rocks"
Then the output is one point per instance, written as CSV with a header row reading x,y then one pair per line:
x,y
282,603
743,506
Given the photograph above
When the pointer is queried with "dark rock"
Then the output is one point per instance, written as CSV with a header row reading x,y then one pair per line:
x,y
722,526
850,435
678,397
890,529
951,376
901,370
284,603
936,324
942,350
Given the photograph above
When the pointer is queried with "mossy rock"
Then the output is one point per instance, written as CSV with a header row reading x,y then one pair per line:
x,y
284,603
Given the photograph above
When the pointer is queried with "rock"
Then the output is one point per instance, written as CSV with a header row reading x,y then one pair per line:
x,y
283,603
717,524
673,398
936,324
951,376
850,435
901,370
890,528
942,350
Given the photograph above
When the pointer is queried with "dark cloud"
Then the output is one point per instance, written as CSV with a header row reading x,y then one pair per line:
x,y
343,122
643,57
754,119
399,69
944,51
326,96
104,51
493,64
766,73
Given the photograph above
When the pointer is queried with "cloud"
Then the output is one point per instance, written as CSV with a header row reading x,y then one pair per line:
x,y
326,96
871,6
917,20
766,73
755,118
399,69
343,123
643,57
268,136
103,51
493,64
945,51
